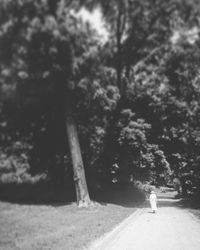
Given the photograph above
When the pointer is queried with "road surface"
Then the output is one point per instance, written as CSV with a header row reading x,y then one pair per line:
x,y
171,228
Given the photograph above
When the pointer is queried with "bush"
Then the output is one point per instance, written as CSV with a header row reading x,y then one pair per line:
x,y
145,161
15,167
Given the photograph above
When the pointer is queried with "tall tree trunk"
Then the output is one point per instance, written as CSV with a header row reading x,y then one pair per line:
x,y
83,199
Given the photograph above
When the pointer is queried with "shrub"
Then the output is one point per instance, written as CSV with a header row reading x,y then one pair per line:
x,y
15,167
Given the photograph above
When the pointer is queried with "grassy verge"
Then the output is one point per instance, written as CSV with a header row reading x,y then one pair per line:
x,y
195,212
56,227
193,205
34,220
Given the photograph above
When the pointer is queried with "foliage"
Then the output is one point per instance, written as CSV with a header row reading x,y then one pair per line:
x,y
135,97
15,167
146,161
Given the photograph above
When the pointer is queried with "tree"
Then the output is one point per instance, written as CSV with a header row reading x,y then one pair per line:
x,y
131,104
42,60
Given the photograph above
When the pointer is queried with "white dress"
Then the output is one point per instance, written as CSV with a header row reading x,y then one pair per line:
x,y
153,202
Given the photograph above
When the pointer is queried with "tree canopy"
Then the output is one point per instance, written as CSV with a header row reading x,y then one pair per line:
x,y
134,98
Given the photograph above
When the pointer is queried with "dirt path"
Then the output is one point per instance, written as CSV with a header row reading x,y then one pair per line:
x,y
171,228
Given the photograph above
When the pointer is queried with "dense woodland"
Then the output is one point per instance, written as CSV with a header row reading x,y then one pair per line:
x,y
76,108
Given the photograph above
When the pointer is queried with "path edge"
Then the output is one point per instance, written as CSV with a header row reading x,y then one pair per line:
x,y
102,239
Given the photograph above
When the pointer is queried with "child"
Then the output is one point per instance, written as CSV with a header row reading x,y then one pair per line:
x,y
153,201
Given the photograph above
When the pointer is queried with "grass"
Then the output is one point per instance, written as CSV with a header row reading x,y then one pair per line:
x,y
195,212
193,205
56,227
59,225
40,218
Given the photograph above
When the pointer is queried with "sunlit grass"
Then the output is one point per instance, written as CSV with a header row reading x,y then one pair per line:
x,y
56,227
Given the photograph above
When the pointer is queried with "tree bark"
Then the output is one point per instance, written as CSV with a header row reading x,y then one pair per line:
x,y
83,199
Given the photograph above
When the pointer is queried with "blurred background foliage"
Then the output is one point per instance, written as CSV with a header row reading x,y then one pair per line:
x,y
135,95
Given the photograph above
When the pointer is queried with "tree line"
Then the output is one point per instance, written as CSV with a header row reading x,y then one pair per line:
x,y
76,108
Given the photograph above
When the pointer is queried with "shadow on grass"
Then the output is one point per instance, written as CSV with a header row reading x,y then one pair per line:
x,y
36,194
191,202
54,195
49,194
123,196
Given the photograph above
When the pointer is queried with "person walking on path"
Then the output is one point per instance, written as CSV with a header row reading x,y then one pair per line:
x,y
153,201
